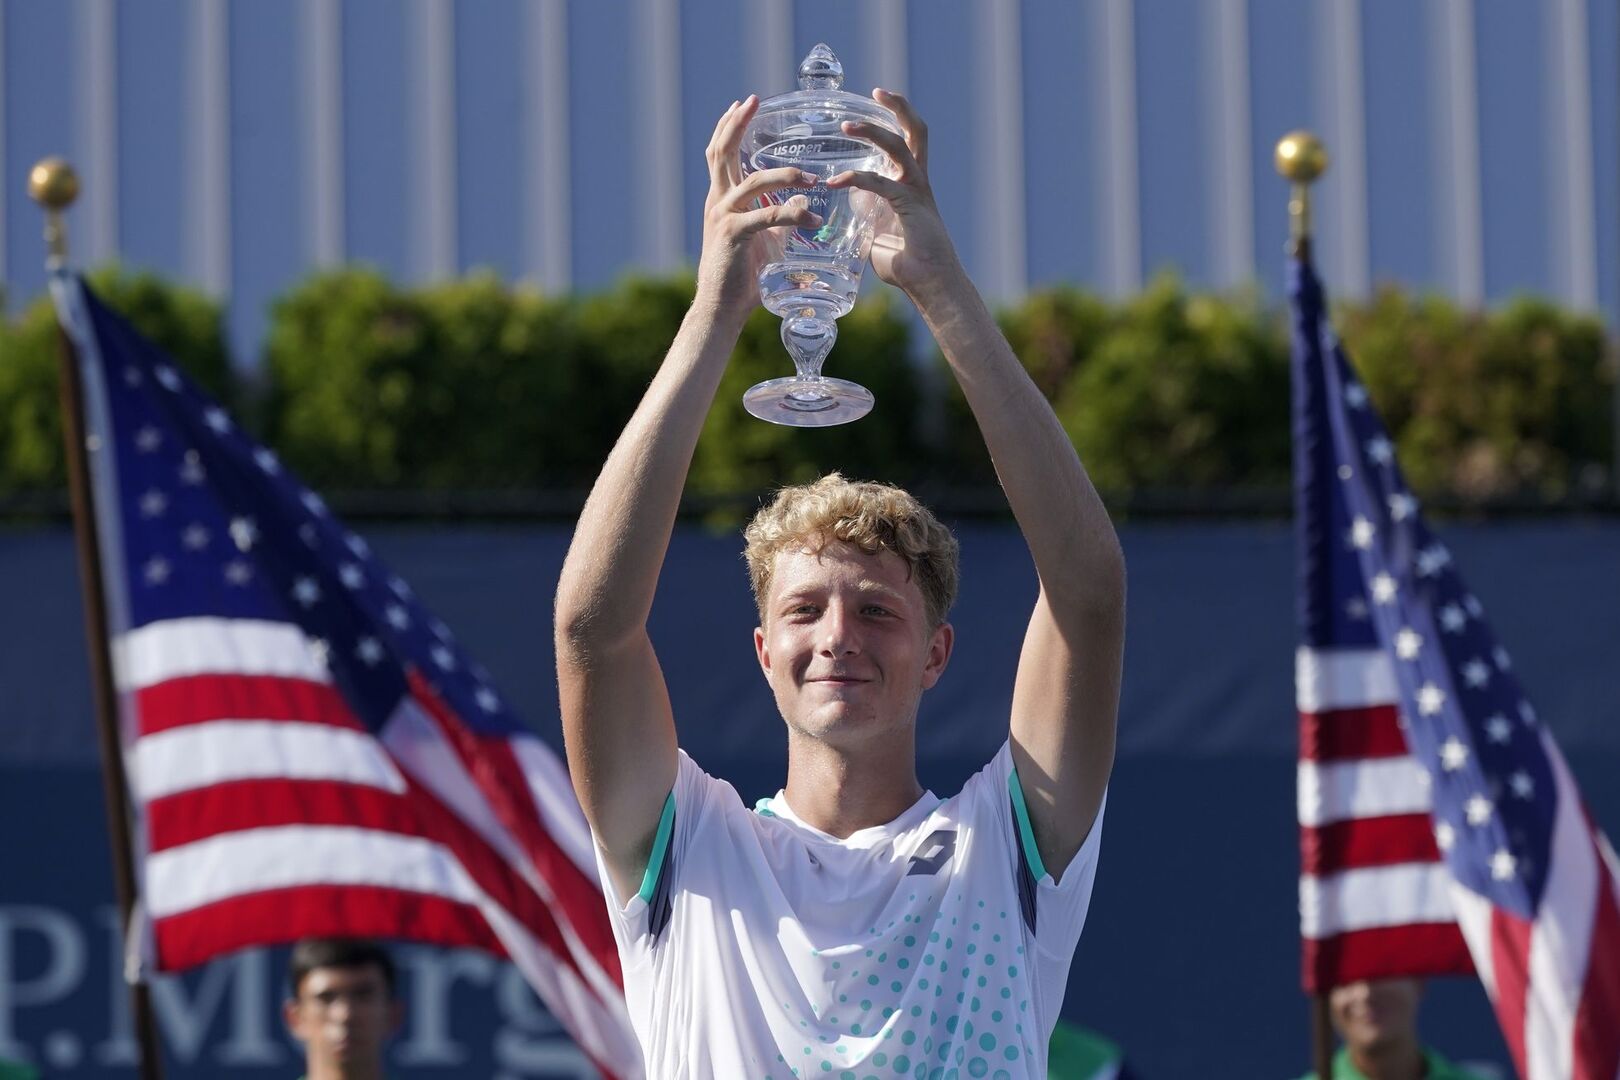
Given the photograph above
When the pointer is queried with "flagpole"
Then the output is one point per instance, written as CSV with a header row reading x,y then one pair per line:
x,y
53,184
1301,158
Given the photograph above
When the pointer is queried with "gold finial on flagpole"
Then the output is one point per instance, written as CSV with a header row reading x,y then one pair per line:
x,y
54,185
1301,158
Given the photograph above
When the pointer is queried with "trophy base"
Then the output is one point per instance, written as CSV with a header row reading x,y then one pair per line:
x,y
815,402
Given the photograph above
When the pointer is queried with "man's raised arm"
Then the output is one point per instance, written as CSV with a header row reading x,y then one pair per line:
x,y
617,721
1067,689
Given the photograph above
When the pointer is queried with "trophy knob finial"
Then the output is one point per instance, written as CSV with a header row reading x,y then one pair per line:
x,y
821,70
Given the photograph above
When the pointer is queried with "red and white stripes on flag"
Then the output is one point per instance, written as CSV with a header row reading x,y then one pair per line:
x,y
1374,894
269,813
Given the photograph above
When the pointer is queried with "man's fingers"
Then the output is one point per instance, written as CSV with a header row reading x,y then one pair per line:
x,y
735,126
796,212
912,124
876,183
905,162
721,154
767,180
712,153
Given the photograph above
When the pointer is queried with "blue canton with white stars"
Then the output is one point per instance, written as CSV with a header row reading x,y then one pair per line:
x,y
211,524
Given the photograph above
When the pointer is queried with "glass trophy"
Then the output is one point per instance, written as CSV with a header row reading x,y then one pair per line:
x,y
812,276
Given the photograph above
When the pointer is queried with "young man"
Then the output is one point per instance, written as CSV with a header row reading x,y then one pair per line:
x,y
342,1008
855,924
1377,1019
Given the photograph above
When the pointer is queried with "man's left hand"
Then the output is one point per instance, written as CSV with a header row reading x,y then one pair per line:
x,y
912,246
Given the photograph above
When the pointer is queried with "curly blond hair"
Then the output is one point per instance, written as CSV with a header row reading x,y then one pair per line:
x,y
871,516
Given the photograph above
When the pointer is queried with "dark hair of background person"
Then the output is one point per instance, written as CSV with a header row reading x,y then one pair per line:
x,y
312,953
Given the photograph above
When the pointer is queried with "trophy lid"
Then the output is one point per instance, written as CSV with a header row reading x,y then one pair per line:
x,y
821,104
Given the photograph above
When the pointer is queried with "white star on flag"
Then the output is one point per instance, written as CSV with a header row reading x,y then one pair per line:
x,y
1503,661
306,591
369,650
1498,730
1431,699
238,571
1452,619
1453,754
191,470
1362,533
1479,810
153,503
132,376
148,439
216,419
1431,560
195,538
443,657
401,589
1522,785
1472,605
266,460
157,571
1401,506
1503,864
313,502
1476,673
1383,589
397,617
1527,713
1356,608
351,575
245,531
320,652
1380,450
308,534
487,700
1355,395
167,376
1444,835
358,546
1408,643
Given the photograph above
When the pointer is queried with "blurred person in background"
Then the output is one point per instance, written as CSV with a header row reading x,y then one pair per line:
x,y
1080,1054
343,1006
1377,1019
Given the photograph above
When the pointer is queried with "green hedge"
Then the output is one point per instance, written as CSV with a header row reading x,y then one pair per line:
x,y
476,386
185,322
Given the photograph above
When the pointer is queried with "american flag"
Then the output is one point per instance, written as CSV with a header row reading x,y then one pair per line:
x,y
309,750
1438,820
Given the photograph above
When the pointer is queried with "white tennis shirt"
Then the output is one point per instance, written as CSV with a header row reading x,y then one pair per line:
x,y
936,946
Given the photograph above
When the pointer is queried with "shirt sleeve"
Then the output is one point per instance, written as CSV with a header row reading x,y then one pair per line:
x,y
1054,909
641,921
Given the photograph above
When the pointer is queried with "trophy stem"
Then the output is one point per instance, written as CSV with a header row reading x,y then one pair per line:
x,y
808,339
808,398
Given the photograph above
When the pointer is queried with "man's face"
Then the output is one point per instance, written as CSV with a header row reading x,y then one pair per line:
x,y
846,644
1375,1013
343,1015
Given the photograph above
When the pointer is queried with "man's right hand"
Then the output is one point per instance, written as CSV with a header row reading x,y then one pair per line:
x,y
735,244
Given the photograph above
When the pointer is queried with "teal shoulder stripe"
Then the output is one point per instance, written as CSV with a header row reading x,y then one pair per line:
x,y
655,861
1026,835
